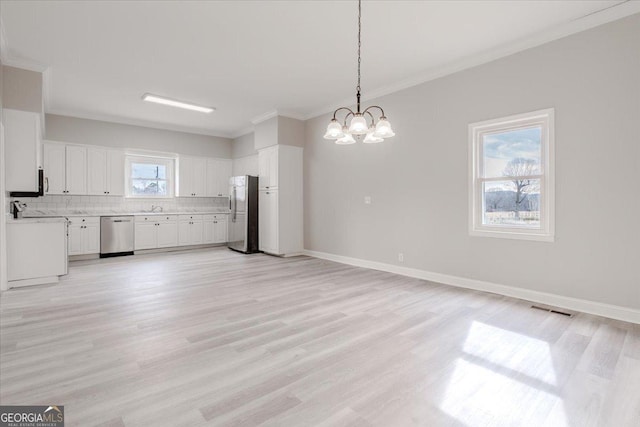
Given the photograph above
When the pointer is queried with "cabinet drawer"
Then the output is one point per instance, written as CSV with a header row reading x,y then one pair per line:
x,y
194,217
156,218
84,220
213,217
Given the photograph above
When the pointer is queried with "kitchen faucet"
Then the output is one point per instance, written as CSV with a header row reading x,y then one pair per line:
x,y
153,208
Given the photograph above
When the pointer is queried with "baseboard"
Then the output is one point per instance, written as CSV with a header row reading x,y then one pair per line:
x,y
591,307
176,248
32,282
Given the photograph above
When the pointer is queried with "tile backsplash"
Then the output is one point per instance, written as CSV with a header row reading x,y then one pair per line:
x,y
100,204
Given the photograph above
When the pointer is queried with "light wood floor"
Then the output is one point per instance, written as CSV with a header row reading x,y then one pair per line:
x,y
212,337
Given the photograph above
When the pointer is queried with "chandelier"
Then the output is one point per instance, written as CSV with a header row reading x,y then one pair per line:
x,y
358,127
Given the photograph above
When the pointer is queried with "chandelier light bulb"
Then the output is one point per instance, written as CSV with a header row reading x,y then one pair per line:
x,y
358,125
334,130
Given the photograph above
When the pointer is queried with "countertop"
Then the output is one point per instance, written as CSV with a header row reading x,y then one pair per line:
x,y
36,214
41,220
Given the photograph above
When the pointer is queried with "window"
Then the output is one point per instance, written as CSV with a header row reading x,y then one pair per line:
x,y
149,176
511,189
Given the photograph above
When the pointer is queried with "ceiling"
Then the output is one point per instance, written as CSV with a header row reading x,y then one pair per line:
x,y
249,58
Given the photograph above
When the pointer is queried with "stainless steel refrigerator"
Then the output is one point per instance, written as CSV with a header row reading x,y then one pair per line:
x,y
243,221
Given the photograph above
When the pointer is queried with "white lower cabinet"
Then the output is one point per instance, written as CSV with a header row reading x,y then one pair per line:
x,y
268,221
156,231
215,229
84,236
38,253
166,231
167,234
190,230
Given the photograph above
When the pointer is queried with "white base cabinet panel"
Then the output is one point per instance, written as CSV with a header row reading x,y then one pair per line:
x,y
268,221
215,229
156,231
190,230
84,236
37,252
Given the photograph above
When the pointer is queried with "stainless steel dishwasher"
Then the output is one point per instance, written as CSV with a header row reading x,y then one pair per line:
x,y
116,236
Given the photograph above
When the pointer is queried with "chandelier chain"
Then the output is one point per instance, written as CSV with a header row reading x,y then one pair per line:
x,y
359,39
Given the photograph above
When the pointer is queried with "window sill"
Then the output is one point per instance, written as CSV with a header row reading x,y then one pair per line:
x,y
514,234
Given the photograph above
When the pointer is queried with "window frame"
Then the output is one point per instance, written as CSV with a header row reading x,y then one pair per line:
x,y
167,161
544,118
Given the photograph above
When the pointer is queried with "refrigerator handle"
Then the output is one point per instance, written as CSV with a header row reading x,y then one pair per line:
x,y
235,203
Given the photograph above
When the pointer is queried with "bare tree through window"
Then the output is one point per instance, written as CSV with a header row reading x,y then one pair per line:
x,y
524,175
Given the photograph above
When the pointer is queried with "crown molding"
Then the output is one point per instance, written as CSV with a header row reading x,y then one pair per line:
x,y
606,15
136,122
264,117
292,115
242,132
271,114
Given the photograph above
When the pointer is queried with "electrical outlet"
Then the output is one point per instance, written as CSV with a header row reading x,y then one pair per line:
x,y
401,257
367,200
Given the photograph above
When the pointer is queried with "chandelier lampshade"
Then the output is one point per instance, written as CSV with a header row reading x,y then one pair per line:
x,y
383,128
334,130
346,140
371,137
358,125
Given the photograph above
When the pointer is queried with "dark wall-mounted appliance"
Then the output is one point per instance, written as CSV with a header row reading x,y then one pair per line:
x,y
38,193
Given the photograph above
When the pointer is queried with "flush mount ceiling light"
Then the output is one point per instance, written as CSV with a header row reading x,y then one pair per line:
x,y
358,127
174,103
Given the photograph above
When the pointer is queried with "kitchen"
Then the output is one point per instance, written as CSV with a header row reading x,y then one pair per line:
x,y
187,206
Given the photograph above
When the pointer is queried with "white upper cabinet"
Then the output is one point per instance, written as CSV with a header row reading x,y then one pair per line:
x,y
202,177
192,177
22,148
105,172
115,173
97,171
65,169
76,169
268,168
55,156
218,174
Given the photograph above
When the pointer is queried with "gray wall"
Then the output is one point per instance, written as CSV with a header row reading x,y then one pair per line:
x,y
95,132
22,89
266,133
290,131
243,146
279,130
418,180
